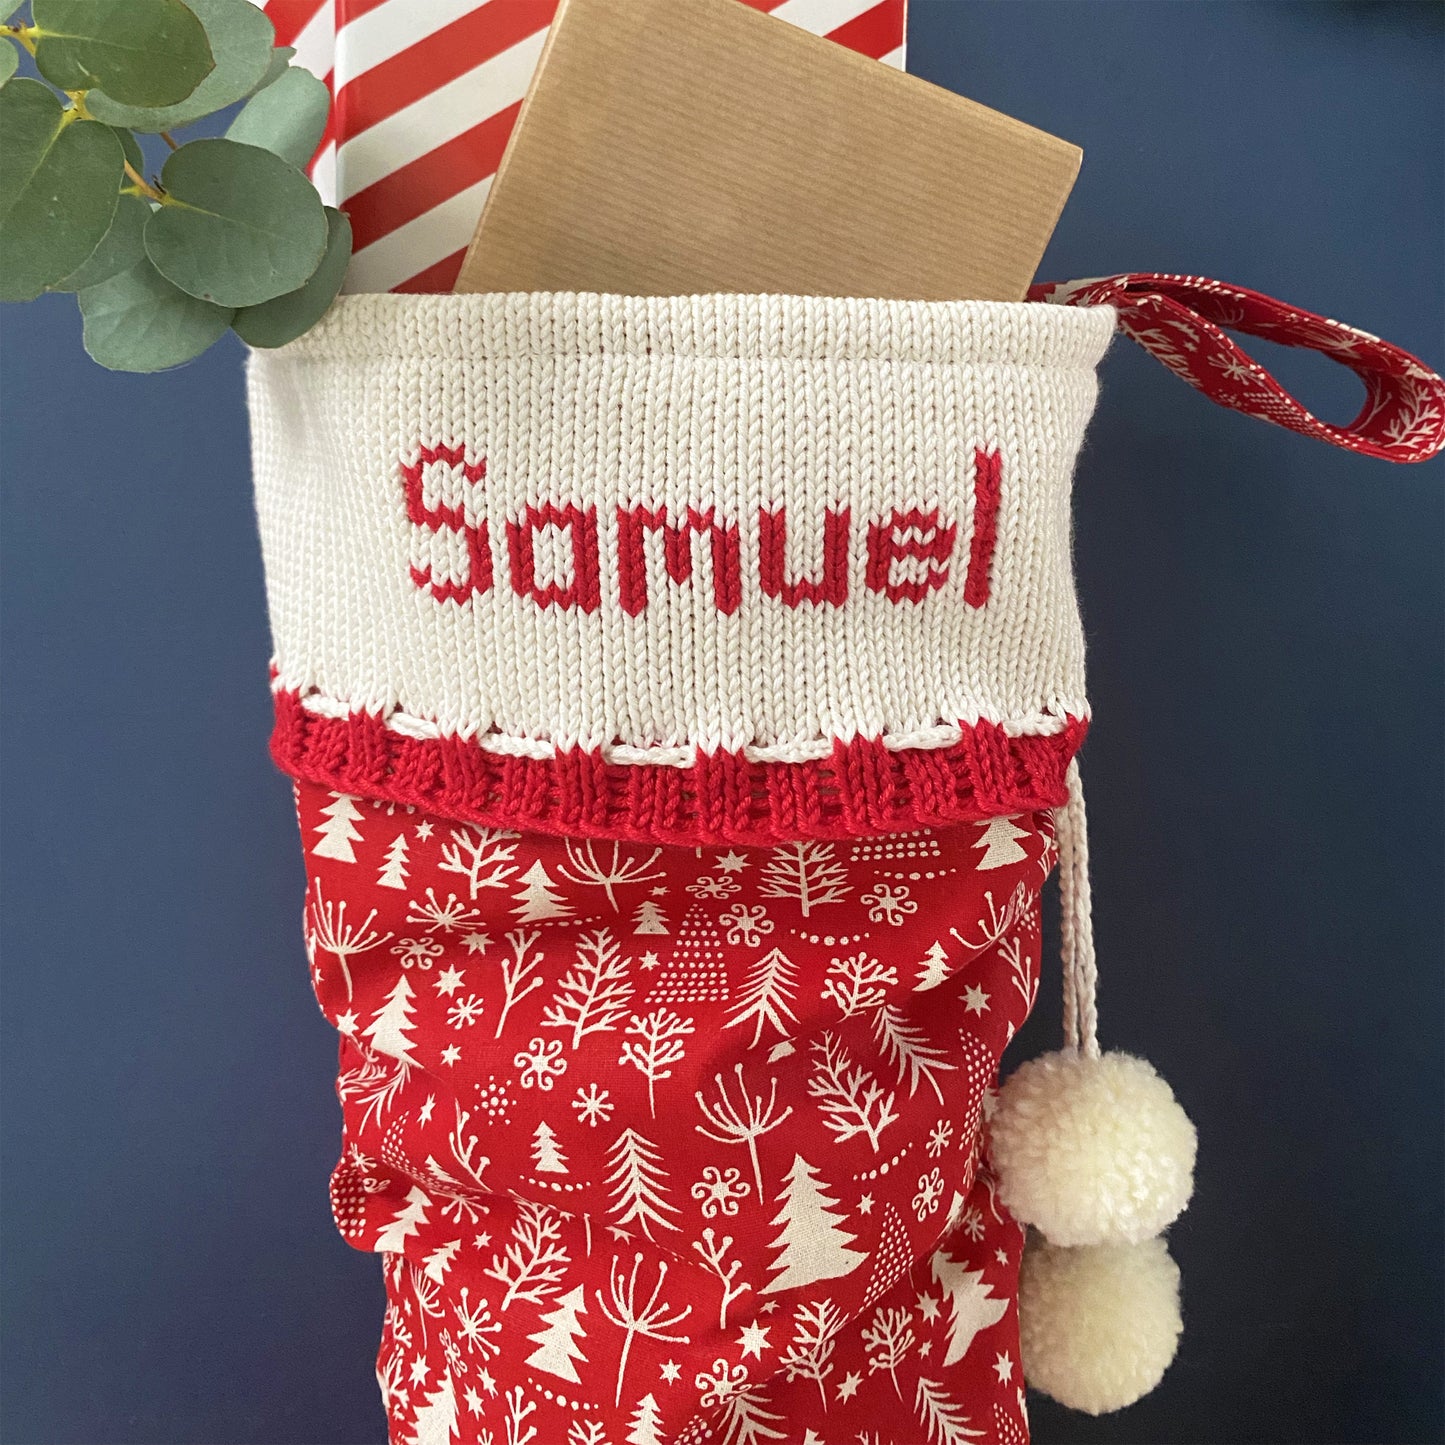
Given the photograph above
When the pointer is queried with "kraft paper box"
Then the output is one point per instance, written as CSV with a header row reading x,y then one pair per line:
x,y
678,146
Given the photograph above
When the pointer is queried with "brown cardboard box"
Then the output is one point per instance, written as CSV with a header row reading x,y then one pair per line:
x,y
670,147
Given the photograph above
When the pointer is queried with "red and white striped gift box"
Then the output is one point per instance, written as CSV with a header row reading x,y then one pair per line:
x,y
427,92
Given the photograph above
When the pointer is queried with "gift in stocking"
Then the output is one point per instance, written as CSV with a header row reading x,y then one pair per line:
x,y
683,696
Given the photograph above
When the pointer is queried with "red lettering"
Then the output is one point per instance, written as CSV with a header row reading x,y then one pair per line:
x,y
931,542
633,525
987,489
584,589
831,587
450,518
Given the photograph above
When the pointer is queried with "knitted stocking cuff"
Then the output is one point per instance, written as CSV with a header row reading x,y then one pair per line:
x,y
690,569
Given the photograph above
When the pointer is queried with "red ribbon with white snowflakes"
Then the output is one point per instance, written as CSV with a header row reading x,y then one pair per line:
x,y
1180,320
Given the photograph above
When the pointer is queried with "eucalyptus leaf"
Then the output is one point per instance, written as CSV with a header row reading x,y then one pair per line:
x,y
59,184
138,321
120,248
239,225
286,118
9,60
140,52
274,323
131,146
240,37
280,59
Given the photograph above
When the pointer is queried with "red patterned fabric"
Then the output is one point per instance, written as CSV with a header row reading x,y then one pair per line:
x,y
1177,319
665,1145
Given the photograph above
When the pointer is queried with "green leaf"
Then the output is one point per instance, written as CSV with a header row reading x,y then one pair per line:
x,y
274,323
59,184
280,59
138,321
120,248
9,60
131,146
240,37
140,52
240,226
286,118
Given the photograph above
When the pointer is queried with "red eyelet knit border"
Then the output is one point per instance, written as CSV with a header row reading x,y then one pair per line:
x,y
863,788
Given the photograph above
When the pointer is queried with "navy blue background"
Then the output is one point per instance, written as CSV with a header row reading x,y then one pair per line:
x,y
1265,619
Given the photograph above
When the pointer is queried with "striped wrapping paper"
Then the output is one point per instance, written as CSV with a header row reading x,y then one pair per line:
x,y
427,92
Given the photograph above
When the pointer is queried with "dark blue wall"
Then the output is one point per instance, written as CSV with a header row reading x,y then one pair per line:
x,y
1265,619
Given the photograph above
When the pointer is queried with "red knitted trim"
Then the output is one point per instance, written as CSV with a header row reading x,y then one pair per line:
x,y
862,788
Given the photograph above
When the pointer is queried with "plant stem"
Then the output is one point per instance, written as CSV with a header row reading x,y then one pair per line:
x,y
141,186
25,34
166,136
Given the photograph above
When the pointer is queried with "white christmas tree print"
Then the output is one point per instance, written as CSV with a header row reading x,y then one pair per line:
x,y
851,1100
771,986
889,1342
945,1421
648,918
810,1355
858,982
904,1044
534,1259
538,897
440,1260
557,1344
645,1427
745,1418
741,1121
806,872
972,1306
1000,844
394,872
697,970
593,996
813,1244
587,1432
388,1030
436,1417
638,1183
652,1319
934,969
547,1154
659,1036
481,855
407,1220
608,871
892,1259
337,832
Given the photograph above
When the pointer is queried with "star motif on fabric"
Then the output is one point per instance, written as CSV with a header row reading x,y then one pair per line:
x,y
425,1113
660,891
733,862
449,980
848,1385
975,1000
481,1241
754,1340
865,1205
346,1023
451,1054
670,1372
928,1306
1004,1368
649,959
1001,1255
419,1371
618,1232
488,1383
424,829
925,1348
768,1308
476,942
474,1400
812,1438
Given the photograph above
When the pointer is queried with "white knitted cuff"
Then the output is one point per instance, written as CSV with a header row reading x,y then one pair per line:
x,y
697,567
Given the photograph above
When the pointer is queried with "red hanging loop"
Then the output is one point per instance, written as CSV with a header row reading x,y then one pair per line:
x,y
1178,319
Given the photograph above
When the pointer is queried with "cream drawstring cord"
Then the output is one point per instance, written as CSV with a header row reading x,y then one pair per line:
x,y
1081,970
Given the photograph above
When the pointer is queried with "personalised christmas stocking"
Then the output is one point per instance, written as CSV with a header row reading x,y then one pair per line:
x,y
682,696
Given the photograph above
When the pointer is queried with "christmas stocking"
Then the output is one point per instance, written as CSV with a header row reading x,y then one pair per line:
x,y
682,696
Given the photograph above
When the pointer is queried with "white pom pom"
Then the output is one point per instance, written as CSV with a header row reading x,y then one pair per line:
x,y
1098,1327
1092,1151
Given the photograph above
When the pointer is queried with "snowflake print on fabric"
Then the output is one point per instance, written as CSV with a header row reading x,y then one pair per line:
x,y
672,1145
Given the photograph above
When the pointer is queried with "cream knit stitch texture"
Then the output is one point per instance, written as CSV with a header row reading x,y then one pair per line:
x,y
653,527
